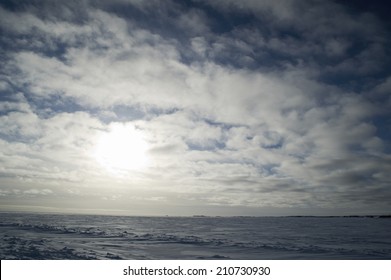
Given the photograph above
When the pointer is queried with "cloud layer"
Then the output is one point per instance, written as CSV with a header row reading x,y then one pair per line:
x,y
250,107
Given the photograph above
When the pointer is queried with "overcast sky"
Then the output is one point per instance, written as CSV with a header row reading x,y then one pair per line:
x,y
195,107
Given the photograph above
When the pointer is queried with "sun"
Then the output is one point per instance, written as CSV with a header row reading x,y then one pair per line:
x,y
123,148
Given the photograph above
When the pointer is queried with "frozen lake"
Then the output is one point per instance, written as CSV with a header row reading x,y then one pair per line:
x,y
47,236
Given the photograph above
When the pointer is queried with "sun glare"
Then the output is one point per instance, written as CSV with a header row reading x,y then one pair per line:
x,y
121,149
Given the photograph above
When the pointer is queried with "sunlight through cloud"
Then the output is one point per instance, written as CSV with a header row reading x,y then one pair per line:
x,y
122,149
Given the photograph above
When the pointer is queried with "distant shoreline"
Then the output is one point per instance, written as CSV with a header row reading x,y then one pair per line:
x,y
203,216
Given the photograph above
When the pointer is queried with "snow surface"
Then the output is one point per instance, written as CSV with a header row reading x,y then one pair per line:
x,y
44,236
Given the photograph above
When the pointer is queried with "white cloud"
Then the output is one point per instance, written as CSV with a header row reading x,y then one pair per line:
x,y
218,114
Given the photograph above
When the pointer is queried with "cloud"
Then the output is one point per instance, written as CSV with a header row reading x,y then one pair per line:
x,y
38,192
261,103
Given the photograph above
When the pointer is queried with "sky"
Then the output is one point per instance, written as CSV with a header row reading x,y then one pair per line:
x,y
195,107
